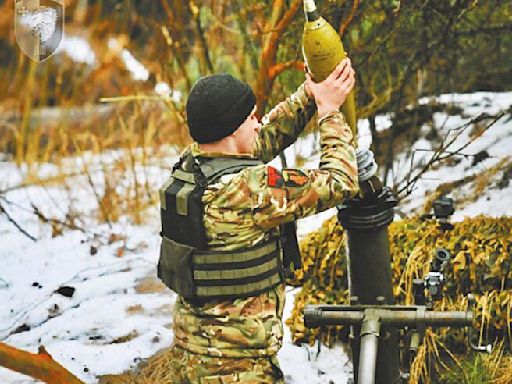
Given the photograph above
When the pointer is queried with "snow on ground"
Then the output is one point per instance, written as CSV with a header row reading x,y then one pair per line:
x,y
495,200
304,364
92,299
84,332
117,313
110,322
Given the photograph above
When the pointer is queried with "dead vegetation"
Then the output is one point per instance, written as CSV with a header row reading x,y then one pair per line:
x,y
480,264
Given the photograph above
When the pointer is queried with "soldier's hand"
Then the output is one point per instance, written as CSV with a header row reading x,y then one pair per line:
x,y
331,93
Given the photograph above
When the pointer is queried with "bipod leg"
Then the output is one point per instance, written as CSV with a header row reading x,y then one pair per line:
x,y
370,330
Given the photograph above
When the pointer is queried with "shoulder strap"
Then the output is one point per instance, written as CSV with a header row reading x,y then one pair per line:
x,y
188,170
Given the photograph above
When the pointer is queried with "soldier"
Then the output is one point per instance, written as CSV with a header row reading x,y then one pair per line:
x,y
223,250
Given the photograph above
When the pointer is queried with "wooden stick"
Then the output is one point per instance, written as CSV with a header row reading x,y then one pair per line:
x,y
40,366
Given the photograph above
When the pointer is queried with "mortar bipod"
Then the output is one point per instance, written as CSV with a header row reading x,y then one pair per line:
x,y
370,318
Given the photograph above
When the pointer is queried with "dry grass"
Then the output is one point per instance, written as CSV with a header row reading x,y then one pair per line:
x,y
113,160
480,251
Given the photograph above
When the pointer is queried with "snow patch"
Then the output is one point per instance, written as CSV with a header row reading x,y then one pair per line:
x,y
77,48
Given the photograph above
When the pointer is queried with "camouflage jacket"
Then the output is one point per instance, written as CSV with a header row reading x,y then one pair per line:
x,y
245,208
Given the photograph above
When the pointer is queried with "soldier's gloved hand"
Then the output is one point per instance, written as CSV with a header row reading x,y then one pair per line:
x,y
331,93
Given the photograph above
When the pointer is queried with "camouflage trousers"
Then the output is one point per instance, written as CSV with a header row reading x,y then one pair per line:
x,y
192,368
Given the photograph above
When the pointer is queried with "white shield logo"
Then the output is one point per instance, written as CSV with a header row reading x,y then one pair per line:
x,y
39,25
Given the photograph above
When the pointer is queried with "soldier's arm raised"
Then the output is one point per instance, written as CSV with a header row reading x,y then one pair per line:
x,y
283,124
277,197
280,197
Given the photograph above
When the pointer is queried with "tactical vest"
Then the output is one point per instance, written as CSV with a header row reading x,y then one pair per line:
x,y
187,266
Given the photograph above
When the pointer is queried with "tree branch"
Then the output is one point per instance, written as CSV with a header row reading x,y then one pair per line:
x,y
288,17
441,153
346,23
248,43
278,24
40,366
277,69
195,10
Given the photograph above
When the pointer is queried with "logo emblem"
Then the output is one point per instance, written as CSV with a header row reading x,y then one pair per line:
x,y
39,25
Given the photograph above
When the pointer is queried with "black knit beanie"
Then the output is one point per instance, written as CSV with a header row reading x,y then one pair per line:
x,y
216,107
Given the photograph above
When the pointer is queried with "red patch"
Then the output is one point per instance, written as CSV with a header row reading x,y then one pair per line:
x,y
274,178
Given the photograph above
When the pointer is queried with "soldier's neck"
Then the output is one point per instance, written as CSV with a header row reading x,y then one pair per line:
x,y
226,145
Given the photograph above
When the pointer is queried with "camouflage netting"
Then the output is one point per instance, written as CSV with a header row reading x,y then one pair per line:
x,y
481,261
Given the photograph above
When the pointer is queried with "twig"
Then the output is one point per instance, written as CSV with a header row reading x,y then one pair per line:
x,y
248,43
13,222
128,98
173,43
35,211
42,182
131,155
346,23
6,332
196,14
452,153
442,150
87,174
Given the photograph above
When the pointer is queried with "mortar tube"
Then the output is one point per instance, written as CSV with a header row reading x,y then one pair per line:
x,y
369,263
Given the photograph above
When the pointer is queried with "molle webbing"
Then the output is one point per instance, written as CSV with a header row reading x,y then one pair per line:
x,y
238,273
237,291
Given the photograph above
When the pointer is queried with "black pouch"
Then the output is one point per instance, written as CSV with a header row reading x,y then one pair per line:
x,y
175,267
291,252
